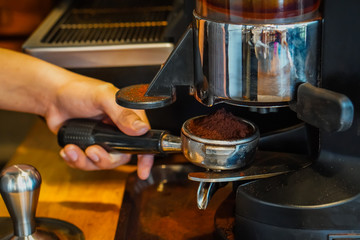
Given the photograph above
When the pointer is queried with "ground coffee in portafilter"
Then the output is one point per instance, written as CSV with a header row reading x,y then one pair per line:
x,y
221,125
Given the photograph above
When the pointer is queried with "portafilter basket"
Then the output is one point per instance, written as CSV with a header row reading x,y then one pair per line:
x,y
219,154
207,153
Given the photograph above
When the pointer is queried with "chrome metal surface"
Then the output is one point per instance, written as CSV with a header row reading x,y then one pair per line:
x,y
219,154
20,187
265,165
254,64
204,194
223,176
115,40
171,143
104,56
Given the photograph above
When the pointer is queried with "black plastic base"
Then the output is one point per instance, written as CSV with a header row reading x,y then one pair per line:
x,y
320,202
251,230
46,229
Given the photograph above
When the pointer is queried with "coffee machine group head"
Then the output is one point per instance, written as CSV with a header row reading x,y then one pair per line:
x,y
257,54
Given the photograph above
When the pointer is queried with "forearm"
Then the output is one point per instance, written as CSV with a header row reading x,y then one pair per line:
x,y
31,85
28,84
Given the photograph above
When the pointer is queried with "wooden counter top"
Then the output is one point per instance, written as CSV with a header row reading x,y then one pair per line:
x,y
89,200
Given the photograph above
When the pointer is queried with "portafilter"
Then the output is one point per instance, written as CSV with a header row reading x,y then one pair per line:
x,y
213,155
207,153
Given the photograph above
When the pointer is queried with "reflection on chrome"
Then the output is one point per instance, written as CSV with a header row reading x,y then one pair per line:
x,y
254,64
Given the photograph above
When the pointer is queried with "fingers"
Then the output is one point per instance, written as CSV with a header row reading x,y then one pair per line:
x,y
97,158
75,158
94,158
132,122
142,115
105,160
145,163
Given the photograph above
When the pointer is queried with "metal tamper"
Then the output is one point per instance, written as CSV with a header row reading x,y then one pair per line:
x,y
20,188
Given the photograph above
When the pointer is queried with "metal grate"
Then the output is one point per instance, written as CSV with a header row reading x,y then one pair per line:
x,y
109,26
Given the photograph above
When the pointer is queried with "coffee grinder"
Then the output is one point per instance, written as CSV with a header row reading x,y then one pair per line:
x,y
265,55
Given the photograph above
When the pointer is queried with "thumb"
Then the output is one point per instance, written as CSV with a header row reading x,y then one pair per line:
x,y
131,123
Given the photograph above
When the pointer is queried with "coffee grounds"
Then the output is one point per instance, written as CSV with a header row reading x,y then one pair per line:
x,y
136,93
221,125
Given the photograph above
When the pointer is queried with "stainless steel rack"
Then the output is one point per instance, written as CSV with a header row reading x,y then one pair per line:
x,y
83,35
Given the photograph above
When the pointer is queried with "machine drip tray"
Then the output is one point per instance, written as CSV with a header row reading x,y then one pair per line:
x,y
164,206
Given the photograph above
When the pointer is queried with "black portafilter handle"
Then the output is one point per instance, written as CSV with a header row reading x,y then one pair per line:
x,y
87,132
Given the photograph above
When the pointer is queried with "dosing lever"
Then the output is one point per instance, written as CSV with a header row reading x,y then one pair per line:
x,y
20,188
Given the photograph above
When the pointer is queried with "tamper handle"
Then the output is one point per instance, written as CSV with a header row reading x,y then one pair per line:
x,y
20,187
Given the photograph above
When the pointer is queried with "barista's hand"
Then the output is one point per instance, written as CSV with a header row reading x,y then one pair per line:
x,y
85,97
31,85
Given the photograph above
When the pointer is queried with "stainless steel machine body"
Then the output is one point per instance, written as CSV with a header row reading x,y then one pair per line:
x,y
254,64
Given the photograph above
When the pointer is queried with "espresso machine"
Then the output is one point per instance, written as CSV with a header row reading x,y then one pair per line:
x,y
266,56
